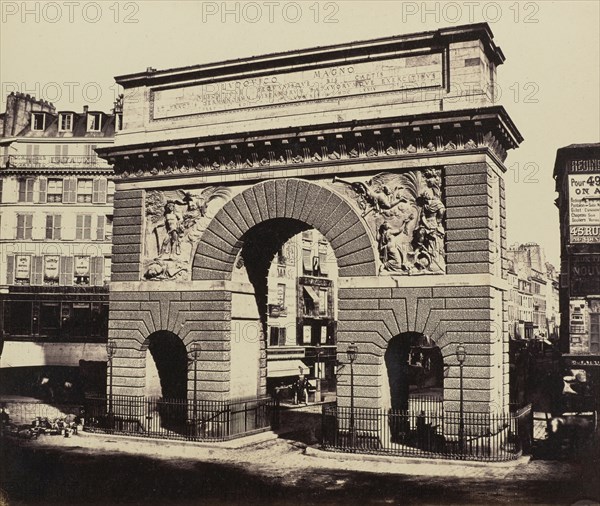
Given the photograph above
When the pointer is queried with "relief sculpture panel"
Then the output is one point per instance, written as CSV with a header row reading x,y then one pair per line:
x,y
175,221
406,212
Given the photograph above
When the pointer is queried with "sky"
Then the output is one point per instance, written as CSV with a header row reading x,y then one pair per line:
x,y
68,52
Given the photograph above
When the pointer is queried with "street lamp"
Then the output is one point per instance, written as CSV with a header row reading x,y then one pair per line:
x,y
461,355
318,351
111,349
195,348
352,352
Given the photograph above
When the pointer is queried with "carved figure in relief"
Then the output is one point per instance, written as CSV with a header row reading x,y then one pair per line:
x,y
375,195
407,213
175,222
173,225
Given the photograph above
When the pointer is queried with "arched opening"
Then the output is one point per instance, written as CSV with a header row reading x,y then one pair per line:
x,y
293,272
415,370
169,355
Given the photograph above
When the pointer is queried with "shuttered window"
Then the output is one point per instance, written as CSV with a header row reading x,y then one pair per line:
x,y
53,225
83,227
66,271
99,191
42,190
24,226
70,190
26,190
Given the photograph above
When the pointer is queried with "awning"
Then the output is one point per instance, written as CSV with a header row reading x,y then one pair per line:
x,y
312,293
281,368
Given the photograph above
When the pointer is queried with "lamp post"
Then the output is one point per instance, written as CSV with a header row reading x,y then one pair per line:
x,y
352,353
318,351
461,355
196,348
111,349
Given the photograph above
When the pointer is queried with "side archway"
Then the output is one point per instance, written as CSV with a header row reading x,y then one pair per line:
x,y
170,357
307,202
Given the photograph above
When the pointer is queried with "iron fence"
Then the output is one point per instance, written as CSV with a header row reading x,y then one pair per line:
x,y
430,434
155,417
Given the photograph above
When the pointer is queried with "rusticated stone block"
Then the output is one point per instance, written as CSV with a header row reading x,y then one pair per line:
x,y
291,191
252,204
471,189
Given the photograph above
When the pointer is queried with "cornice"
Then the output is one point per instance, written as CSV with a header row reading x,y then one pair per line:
x,y
321,145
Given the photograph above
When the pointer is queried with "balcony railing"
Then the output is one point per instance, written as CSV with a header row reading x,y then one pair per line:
x,y
52,161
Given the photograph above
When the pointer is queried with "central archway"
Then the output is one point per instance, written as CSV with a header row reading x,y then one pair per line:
x,y
252,227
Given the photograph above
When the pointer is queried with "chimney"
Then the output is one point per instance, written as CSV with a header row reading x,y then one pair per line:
x,y
85,109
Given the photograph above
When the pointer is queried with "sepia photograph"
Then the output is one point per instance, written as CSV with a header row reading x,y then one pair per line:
x,y
302,252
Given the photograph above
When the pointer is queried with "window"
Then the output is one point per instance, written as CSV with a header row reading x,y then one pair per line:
x,y
24,226
84,190
22,269
323,300
53,226
307,261
51,269
83,226
39,121
82,271
107,267
19,316
55,190
110,194
80,319
94,121
90,153
65,123
26,190
109,228
281,295
277,336
104,225
49,319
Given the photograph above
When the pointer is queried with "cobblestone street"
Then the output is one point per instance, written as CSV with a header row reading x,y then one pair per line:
x,y
56,470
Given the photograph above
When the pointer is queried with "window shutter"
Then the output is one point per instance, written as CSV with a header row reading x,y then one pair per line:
x,y
66,271
97,268
43,190
69,190
79,227
95,189
99,191
87,226
57,227
20,226
323,262
38,269
100,228
282,336
10,269
49,226
22,190
102,190
57,150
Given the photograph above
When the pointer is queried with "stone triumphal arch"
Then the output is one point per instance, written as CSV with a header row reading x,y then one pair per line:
x,y
392,149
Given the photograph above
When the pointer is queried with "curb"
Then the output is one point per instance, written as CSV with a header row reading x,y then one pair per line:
x,y
313,451
233,444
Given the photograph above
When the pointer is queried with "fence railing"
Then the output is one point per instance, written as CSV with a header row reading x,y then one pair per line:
x,y
179,419
431,434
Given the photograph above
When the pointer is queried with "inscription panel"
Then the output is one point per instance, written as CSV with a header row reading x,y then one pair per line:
x,y
396,74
